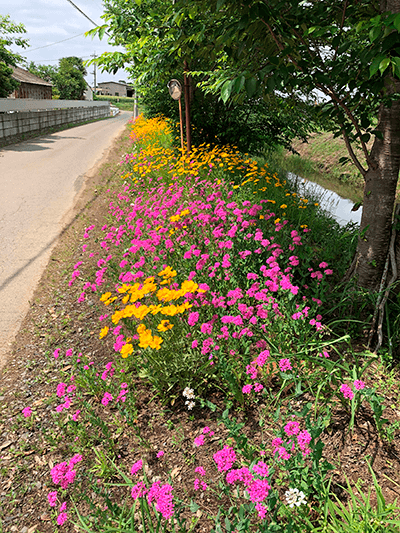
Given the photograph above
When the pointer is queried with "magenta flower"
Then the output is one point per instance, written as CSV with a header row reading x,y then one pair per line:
x,y
346,391
52,498
199,441
225,458
27,411
136,467
200,470
62,518
284,365
359,385
160,454
292,428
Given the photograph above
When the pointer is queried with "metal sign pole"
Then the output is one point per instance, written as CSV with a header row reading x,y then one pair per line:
x,y
175,90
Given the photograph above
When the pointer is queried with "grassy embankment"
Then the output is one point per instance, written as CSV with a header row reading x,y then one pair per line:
x,y
318,161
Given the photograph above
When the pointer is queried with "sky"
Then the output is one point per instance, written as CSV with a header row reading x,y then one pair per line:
x,y
50,21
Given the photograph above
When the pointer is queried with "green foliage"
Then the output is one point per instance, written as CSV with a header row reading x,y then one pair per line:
x,y
152,59
8,58
359,515
70,79
46,72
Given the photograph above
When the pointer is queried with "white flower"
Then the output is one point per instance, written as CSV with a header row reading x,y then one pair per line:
x,y
190,405
189,394
295,497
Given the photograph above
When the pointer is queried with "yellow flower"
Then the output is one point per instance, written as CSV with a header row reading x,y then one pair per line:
x,y
103,332
283,206
165,325
126,350
105,296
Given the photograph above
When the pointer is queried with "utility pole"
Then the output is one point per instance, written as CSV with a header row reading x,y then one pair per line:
x,y
94,72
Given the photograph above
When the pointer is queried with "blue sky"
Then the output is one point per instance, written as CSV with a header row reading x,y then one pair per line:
x,y
51,21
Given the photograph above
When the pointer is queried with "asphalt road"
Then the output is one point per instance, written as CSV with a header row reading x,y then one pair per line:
x,y
40,181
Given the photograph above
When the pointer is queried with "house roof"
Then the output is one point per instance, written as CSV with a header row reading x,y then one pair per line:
x,y
104,83
24,76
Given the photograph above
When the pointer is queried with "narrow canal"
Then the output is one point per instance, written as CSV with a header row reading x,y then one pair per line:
x,y
340,208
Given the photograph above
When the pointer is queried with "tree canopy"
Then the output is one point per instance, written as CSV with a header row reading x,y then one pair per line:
x,y
343,53
69,79
9,31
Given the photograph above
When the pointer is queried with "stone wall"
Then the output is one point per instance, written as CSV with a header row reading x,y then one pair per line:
x,y
15,124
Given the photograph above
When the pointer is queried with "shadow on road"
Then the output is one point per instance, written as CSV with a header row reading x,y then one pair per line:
x,y
35,144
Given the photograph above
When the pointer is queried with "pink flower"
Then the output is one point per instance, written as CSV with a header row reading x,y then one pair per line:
x,y
27,411
225,458
206,430
61,389
138,490
200,470
292,428
284,365
52,498
303,439
247,388
261,469
199,441
261,510
346,391
62,518
107,398
136,467
56,353
258,490
160,454
63,507
323,264
359,385
193,318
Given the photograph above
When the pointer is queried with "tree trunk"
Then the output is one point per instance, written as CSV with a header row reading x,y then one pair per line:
x,y
379,197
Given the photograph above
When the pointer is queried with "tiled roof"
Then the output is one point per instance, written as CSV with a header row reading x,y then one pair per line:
x,y
24,76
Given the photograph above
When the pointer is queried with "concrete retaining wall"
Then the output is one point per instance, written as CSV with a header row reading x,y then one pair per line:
x,y
15,124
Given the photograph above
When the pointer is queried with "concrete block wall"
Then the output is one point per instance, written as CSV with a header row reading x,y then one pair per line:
x,y
13,125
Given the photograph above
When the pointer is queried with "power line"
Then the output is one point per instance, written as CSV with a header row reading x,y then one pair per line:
x,y
49,60
57,42
80,11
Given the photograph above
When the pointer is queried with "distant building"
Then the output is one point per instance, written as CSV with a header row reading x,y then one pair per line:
x,y
114,88
31,86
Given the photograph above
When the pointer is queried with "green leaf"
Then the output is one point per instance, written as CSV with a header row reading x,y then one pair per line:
x,y
193,506
226,91
374,33
374,67
251,86
366,137
383,65
396,66
102,31
396,22
238,84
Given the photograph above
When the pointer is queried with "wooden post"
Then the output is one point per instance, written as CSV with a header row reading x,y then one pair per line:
x,y
186,89
181,124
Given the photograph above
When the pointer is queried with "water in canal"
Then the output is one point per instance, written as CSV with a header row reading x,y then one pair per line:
x,y
340,208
